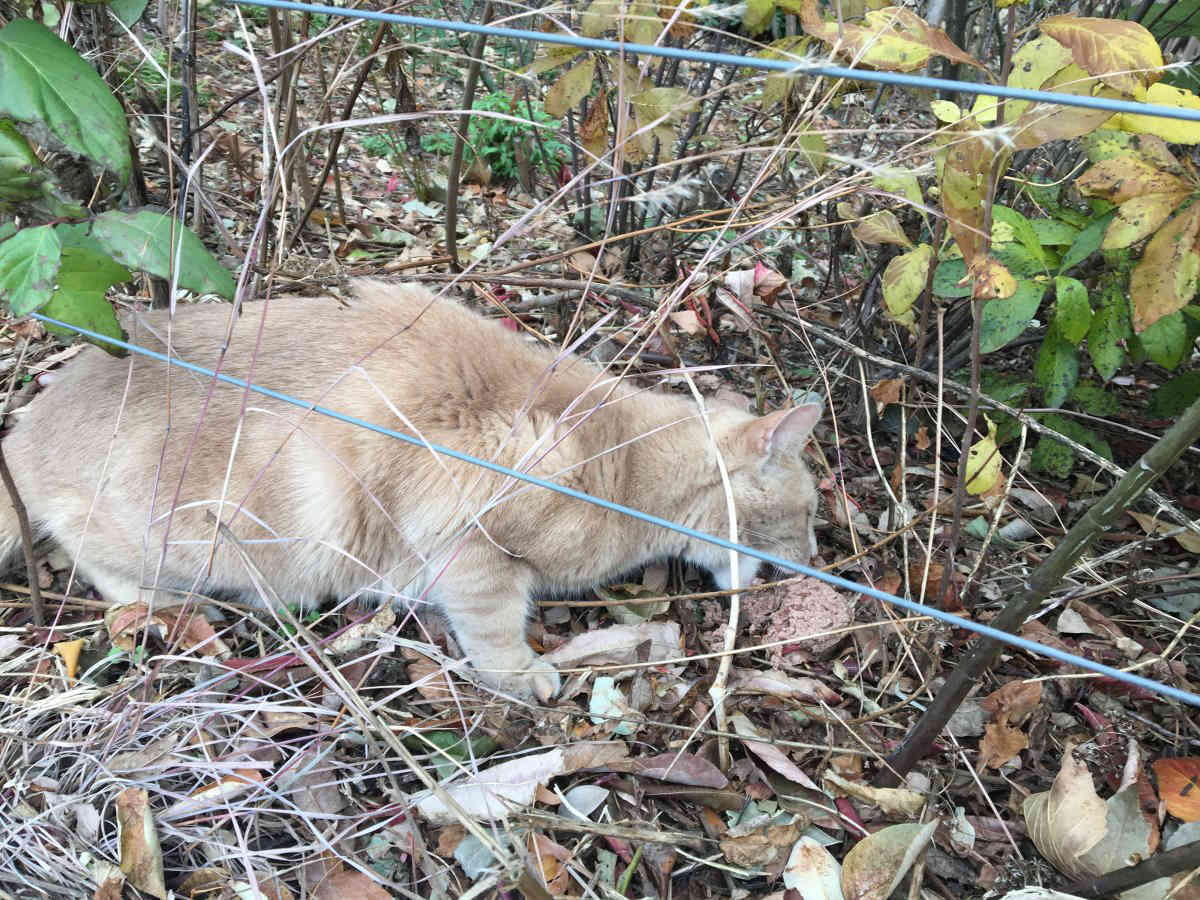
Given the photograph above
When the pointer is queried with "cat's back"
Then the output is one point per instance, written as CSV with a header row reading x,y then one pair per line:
x,y
385,344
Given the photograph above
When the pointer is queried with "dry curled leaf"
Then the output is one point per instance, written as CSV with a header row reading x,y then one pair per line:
x,y
1012,703
1179,786
69,652
1069,819
812,870
893,801
551,859
758,844
183,627
141,856
877,863
1000,744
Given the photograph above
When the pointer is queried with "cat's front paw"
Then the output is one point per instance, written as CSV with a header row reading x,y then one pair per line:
x,y
538,681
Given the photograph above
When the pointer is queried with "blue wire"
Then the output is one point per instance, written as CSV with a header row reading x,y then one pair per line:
x,y
786,565
770,65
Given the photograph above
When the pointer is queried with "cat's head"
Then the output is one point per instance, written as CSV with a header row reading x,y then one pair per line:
x,y
774,491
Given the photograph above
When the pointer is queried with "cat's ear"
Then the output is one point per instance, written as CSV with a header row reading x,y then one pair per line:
x,y
782,433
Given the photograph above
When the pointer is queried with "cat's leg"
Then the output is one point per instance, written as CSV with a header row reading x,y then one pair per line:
x,y
485,595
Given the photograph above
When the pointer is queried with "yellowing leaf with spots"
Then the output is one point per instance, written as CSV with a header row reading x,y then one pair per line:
x,y
1140,217
965,173
892,38
572,86
993,281
1033,65
1041,123
903,280
1167,276
1123,54
1125,177
946,111
1177,131
983,463
881,228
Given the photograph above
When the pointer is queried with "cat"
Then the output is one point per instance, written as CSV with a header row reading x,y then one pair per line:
x,y
326,508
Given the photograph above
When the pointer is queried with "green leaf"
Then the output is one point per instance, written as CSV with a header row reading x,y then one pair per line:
x,y
1176,395
1166,342
128,11
7,230
1018,260
29,262
899,181
1053,233
1091,398
79,296
758,15
1072,311
1052,457
1110,327
19,166
1004,320
946,278
1013,390
1056,458
1057,368
1086,243
48,84
1042,193
1022,231
142,240
76,235
1106,143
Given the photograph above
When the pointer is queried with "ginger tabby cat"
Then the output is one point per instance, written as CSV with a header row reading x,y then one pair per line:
x,y
325,508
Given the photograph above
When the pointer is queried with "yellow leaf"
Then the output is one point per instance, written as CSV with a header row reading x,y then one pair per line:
x,y
69,652
810,145
599,16
1125,177
777,86
1035,63
572,86
983,463
1177,131
1123,54
1188,540
993,281
663,105
758,15
642,24
1041,123
946,111
1139,217
881,227
903,280
899,181
966,169
555,57
891,38
1167,276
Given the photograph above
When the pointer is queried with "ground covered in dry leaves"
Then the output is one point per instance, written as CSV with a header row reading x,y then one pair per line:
x,y
230,751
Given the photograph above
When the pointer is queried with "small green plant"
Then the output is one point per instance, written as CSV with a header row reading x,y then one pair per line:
x,y
378,145
496,140
65,256
440,142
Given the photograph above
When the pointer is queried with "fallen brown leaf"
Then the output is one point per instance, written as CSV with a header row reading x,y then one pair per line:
x,y
141,856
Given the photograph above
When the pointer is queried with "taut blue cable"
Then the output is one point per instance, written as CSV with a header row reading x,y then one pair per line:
x,y
751,62
843,583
